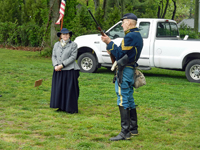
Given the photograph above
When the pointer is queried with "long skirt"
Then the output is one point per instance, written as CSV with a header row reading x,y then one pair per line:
x,y
65,90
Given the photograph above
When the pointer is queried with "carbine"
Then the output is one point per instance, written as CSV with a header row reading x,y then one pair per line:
x,y
102,33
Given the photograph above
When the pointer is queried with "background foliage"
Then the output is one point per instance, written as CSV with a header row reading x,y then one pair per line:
x,y
26,22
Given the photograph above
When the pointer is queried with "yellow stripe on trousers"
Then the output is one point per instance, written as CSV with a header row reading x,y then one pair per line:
x,y
121,99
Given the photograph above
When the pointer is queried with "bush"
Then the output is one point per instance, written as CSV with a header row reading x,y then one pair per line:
x,y
186,30
8,33
113,17
29,34
46,52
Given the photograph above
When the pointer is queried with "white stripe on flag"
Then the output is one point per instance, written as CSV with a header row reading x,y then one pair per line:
x,y
61,11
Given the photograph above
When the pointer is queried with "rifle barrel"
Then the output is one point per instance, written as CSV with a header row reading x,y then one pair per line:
x,y
93,18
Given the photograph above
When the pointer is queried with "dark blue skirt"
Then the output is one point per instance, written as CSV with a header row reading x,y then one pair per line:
x,y
65,90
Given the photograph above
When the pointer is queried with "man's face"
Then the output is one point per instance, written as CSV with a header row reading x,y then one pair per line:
x,y
125,24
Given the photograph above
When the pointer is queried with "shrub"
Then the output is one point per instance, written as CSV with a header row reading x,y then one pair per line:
x,y
8,33
186,30
31,34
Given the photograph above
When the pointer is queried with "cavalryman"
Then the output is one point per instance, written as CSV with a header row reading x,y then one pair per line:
x,y
131,47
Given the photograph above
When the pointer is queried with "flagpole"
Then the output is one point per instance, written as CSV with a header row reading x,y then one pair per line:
x,y
61,12
61,26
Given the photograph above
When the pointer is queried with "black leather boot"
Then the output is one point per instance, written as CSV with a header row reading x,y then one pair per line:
x,y
133,122
125,125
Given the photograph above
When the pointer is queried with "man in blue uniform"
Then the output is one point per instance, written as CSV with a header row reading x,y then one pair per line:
x,y
130,46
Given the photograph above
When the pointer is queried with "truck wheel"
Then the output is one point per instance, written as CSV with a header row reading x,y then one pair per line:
x,y
192,71
87,63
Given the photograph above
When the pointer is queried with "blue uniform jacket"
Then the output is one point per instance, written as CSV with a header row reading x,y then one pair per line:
x,y
131,45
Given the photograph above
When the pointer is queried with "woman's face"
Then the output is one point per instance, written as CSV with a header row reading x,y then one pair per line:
x,y
65,36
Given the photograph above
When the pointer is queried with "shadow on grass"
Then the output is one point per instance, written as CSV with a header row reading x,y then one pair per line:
x,y
104,70
152,73
165,75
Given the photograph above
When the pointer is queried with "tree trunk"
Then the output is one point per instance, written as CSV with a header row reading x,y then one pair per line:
x,y
158,14
196,16
104,7
96,4
174,12
160,9
122,8
54,5
166,6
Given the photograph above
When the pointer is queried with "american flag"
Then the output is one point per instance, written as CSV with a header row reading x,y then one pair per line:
x,y
62,10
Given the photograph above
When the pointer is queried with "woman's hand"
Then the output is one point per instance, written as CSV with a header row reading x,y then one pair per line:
x,y
58,68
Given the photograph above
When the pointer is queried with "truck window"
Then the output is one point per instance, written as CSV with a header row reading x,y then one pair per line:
x,y
116,32
144,29
167,29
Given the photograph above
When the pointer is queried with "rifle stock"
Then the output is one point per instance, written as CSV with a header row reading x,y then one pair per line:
x,y
102,33
112,57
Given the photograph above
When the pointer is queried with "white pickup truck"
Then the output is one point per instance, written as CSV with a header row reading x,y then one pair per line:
x,y
162,48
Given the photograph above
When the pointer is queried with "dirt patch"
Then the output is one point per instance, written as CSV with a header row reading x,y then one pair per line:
x,y
22,48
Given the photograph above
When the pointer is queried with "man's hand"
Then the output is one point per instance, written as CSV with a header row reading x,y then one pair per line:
x,y
108,52
58,68
105,39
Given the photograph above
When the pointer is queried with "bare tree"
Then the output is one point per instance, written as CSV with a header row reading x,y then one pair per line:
x,y
104,7
54,8
122,8
174,12
96,4
196,16
162,8
164,13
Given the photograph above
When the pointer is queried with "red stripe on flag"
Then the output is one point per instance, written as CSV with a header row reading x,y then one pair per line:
x,y
62,9
63,4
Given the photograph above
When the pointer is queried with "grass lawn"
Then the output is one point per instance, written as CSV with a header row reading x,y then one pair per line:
x,y
168,109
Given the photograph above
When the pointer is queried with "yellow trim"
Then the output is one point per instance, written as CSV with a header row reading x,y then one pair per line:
x,y
120,95
112,47
129,30
125,47
129,66
136,52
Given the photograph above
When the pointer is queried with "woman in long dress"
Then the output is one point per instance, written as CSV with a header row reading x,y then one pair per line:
x,y
65,88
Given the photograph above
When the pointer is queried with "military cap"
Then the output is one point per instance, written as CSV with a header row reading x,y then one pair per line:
x,y
129,16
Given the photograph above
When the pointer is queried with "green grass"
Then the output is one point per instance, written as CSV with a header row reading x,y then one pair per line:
x,y
168,109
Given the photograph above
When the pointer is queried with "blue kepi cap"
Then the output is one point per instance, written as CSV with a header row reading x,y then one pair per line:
x,y
64,31
129,16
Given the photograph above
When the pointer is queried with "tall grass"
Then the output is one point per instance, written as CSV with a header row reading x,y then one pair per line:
x,y
168,109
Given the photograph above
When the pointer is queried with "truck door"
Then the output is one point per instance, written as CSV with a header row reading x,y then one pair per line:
x,y
144,28
165,51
